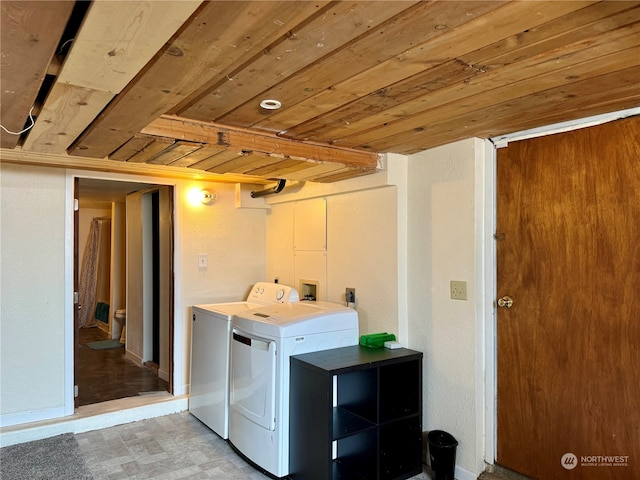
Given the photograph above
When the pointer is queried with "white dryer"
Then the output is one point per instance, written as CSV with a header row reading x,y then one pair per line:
x,y
263,341
210,352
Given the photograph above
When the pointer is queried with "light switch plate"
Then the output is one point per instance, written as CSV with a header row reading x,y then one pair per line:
x,y
202,260
458,290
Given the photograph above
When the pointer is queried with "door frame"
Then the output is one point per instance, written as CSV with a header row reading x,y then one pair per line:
x,y
69,334
486,196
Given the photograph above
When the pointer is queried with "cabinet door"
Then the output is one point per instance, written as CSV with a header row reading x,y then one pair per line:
x,y
310,225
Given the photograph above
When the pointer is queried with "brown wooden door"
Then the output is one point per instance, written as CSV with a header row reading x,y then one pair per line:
x,y
568,253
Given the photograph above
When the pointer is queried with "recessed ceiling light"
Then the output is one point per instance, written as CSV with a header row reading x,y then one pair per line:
x,y
270,104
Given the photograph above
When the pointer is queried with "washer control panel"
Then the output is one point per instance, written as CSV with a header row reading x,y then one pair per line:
x,y
266,293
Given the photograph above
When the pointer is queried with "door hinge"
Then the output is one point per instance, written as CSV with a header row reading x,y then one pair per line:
x,y
75,391
499,236
76,205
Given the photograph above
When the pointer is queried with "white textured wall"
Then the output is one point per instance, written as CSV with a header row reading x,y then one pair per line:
x,y
279,246
361,245
442,247
439,192
32,316
234,242
32,213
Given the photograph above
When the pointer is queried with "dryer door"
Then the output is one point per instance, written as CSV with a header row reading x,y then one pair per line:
x,y
253,378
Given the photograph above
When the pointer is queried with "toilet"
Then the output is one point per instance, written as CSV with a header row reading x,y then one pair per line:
x,y
121,317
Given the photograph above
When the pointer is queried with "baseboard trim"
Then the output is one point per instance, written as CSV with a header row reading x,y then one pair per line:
x,y
134,357
11,419
463,474
98,416
460,473
164,375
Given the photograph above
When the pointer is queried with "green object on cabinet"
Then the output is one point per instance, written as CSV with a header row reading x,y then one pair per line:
x,y
376,340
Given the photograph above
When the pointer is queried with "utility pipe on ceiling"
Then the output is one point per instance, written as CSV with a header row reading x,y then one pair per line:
x,y
277,189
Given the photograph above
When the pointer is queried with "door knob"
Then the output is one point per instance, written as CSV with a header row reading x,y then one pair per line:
x,y
505,302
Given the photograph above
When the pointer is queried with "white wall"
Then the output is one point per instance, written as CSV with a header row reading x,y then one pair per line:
x,y
433,196
399,237
279,247
32,296
361,245
35,261
361,254
445,243
234,242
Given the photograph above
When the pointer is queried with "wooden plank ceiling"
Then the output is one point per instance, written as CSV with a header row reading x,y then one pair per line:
x,y
178,85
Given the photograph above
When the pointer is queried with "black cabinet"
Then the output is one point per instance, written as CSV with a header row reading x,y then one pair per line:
x,y
356,413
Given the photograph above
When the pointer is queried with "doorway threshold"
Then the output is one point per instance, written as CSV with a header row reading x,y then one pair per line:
x,y
97,416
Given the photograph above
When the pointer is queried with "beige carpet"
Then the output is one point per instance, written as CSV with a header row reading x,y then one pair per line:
x,y
56,458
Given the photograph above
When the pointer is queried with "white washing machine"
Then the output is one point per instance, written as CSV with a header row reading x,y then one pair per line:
x,y
263,341
210,352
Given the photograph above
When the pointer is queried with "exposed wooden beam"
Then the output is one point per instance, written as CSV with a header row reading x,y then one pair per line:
x,y
302,46
508,78
30,30
174,153
235,32
456,64
400,32
18,156
115,43
580,99
68,111
117,39
245,140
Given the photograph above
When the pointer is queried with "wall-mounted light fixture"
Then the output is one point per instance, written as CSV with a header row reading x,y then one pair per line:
x,y
198,196
207,197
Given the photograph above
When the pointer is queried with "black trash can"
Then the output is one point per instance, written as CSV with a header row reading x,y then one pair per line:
x,y
442,452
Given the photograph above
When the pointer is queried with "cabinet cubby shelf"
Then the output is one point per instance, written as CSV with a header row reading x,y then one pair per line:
x,y
346,423
356,413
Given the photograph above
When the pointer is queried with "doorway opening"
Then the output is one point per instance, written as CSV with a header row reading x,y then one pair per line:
x,y
124,334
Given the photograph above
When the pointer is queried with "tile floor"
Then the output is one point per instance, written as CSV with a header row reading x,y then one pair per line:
x,y
171,447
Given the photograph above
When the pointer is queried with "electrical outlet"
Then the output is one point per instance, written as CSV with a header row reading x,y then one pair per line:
x,y
350,295
458,290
